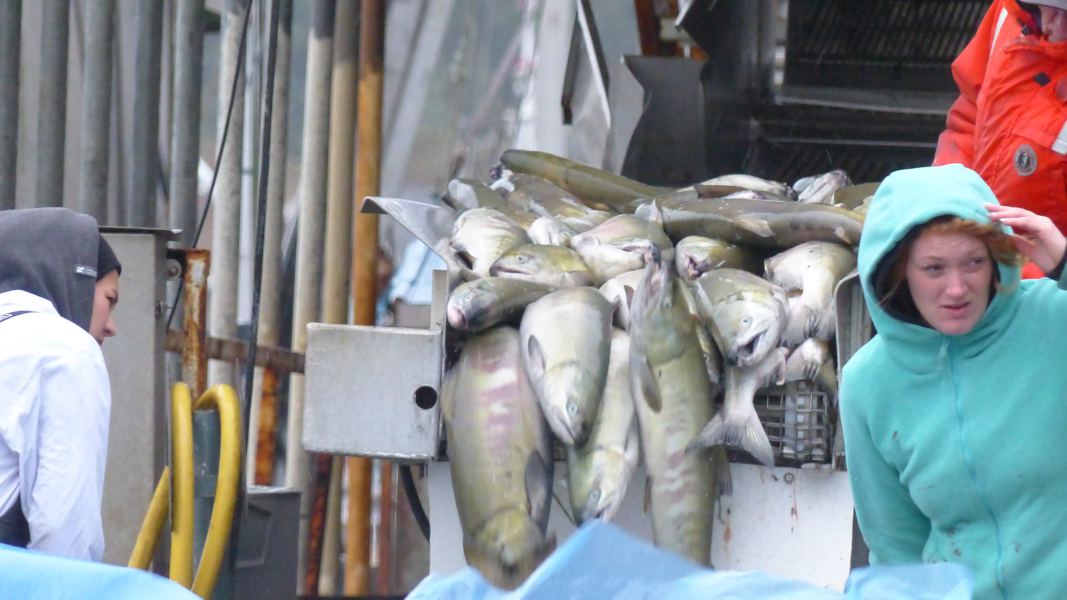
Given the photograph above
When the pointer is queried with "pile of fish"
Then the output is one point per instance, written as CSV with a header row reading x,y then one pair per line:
x,y
626,322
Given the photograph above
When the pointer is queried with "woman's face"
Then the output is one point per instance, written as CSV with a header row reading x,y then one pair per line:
x,y
949,275
102,325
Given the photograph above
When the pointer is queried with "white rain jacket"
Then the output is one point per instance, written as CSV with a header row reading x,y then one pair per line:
x,y
56,405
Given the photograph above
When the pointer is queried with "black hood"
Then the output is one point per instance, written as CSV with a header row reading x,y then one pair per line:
x,y
51,253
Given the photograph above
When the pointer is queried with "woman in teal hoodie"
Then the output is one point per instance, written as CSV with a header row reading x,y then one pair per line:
x,y
953,412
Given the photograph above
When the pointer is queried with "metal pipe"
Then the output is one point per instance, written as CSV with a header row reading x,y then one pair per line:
x,y
222,303
365,264
195,269
52,103
96,110
331,539
10,41
263,420
185,118
336,288
309,246
144,149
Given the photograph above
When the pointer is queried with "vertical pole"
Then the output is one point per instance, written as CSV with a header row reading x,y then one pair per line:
x,y
10,40
309,248
96,110
185,118
365,259
144,152
260,455
222,303
52,103
336,290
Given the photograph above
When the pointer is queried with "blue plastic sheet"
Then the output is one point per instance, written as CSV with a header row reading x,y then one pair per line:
x,y
601,560
26,574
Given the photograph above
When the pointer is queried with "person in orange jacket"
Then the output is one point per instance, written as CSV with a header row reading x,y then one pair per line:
x,y
1010,121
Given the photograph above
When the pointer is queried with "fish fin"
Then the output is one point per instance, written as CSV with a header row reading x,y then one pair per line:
x,y
538,486
566,513
759,227
628,291
535,362
724,481
753,439
631,449
646,385
653,214
711,435
647,502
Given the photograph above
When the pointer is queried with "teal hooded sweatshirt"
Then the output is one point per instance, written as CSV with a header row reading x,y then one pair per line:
x,y
954,444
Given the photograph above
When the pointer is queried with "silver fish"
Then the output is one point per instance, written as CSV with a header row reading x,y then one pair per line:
x,y
813,361
483,303
695,255
566,341
813,270
767,224
481,235
590,185
465,194
551,231
737,424
746,314
672,400
598,471
551,265
500,455
622,243
619,290
820,189
751,183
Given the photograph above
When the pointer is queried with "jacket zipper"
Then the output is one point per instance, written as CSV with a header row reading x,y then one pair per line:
x,y
948,350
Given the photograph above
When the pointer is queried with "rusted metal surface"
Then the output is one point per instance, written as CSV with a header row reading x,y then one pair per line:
x,y
320,489
365,267
281,360
266,440
192,343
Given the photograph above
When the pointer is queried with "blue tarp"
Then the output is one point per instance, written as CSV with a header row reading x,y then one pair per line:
x,y
600,560
32,575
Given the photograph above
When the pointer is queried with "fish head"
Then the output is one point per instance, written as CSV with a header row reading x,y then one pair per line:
x,y
507,548
571,397
607,487
520,263
659,313
748,330
469,305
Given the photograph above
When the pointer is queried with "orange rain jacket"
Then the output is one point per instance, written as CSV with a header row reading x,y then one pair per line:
x,y
1010,121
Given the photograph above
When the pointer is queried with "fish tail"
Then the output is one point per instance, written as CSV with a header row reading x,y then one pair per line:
x,y
746,433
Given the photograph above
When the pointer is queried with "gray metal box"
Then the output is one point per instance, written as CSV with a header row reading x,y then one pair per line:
x,y
373,391
134,358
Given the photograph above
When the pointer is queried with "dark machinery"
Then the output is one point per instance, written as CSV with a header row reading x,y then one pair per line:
x,y
862,85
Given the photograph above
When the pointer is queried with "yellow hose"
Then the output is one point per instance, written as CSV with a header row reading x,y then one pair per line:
x,y
153,523
224,399
181,534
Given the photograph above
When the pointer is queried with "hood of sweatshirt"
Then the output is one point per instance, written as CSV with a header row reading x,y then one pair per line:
x,y
51,253
905,200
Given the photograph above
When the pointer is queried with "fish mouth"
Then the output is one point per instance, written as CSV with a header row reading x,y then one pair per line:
x,y
746,351
456,318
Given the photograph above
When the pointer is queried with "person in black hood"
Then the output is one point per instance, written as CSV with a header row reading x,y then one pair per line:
x,y
59,282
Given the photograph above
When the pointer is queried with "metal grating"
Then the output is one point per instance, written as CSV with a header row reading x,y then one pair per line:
x,y
899,44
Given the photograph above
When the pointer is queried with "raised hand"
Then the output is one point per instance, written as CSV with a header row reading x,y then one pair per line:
x,y
1035,237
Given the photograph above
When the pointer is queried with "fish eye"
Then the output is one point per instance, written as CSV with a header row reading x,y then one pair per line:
x,y
594,495
572,408
746,320
521,258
